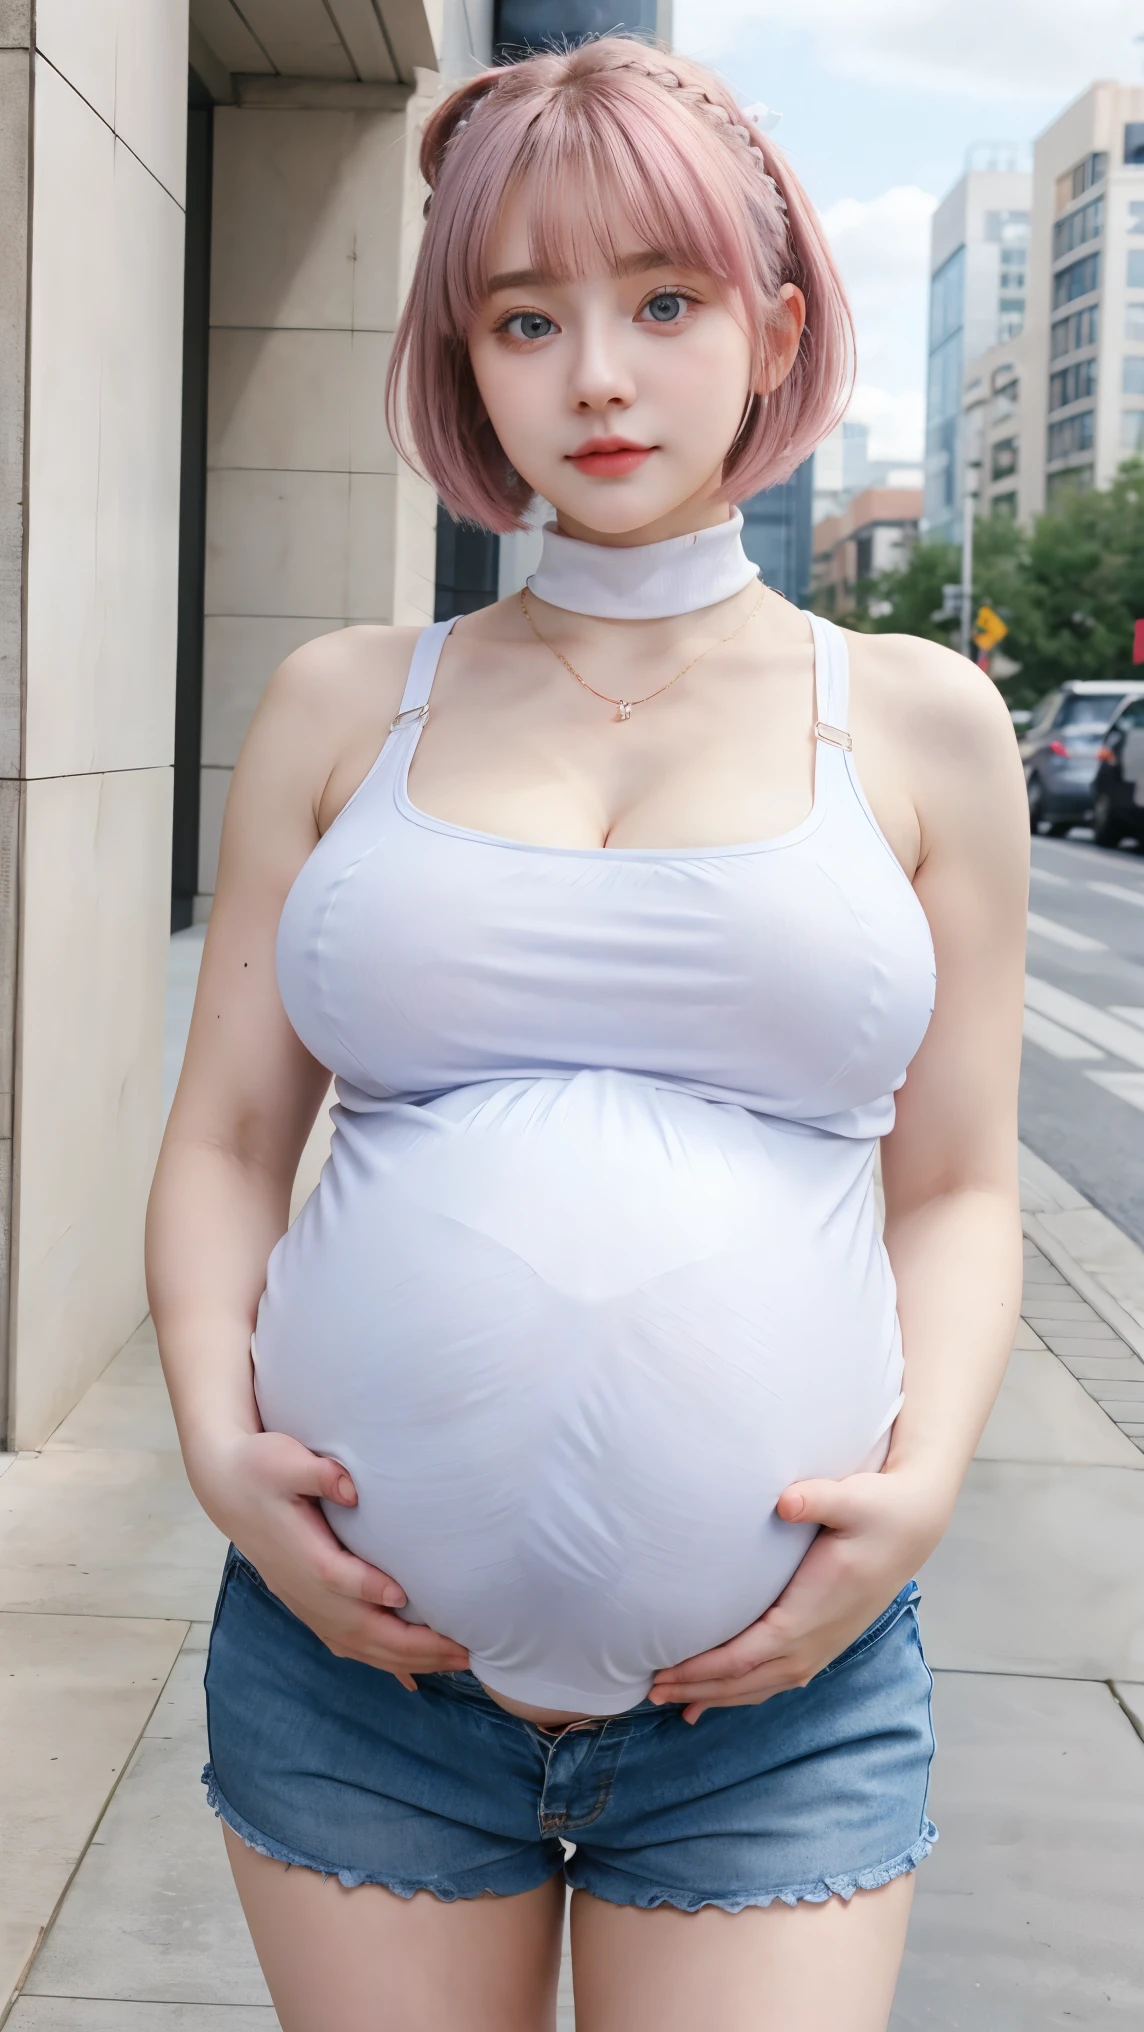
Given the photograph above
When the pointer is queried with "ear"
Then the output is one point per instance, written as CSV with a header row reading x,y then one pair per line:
x,y
784,340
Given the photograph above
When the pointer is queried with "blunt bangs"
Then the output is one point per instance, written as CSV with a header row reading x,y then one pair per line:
x,y
607,154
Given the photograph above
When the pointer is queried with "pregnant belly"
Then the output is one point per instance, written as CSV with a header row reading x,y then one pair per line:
x,y
572,1338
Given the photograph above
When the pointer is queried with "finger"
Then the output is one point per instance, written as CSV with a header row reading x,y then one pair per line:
x,y
840,1506
772,1679
342,1570
744,1653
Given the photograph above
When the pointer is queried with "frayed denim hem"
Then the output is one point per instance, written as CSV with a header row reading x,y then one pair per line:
x,y
350,1880
802,1894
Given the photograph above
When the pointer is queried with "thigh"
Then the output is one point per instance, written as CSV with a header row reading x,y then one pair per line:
x,y
367,1960
827,1967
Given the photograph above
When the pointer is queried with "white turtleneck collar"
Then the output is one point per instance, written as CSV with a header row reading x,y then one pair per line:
x,y
645,581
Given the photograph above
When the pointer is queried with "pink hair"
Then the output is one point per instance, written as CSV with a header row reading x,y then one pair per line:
x,y
608,134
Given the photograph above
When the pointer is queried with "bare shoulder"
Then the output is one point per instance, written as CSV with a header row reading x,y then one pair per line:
x,y
943,709
336,678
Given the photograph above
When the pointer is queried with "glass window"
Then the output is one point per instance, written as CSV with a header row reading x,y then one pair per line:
x,y
1072,384
947,299
1132,430
1088,709
1134,141
1045,712
1134,322
1004,505
1073,434
1133,382
1003,459
1136,216
1075,480
1136,268
1079,227
1131,718
1082,278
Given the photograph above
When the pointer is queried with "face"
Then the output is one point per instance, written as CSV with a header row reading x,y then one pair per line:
x,y
617,395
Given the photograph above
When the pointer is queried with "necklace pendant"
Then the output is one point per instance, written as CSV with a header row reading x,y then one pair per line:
x,y
623,709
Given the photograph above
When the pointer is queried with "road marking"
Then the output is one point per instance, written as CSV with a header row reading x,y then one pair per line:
x,y
1129,1014
1063,934
1121,894
1062,1043
1043,875
1123,1040
1127,1086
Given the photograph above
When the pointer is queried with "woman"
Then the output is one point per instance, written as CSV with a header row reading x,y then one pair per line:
x,y
574,1492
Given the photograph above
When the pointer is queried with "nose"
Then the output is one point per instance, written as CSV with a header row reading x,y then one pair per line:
x,y
601,376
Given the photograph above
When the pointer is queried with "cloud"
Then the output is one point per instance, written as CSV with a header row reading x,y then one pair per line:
x,y
1002,49
882,250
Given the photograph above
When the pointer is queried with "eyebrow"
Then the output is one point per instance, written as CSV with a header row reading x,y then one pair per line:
x,y
539,278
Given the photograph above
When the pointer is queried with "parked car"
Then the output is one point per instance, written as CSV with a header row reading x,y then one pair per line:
x,y
1118,792
1059,749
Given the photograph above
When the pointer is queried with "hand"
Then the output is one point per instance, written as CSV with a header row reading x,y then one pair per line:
x,y
262,1489
877,1529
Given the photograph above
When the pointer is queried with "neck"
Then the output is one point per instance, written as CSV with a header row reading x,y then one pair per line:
x,y
687,520
680,574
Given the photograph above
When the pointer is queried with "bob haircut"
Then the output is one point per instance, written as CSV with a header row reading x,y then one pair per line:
x,y
610,135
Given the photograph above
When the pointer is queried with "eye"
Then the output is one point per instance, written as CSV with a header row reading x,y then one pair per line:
x,y
667,307
528,324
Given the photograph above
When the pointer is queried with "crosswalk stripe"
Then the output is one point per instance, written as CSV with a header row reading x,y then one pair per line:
x,y
1062,1043
1063,934
1121,894
1129,1012
1123,1040
1043,875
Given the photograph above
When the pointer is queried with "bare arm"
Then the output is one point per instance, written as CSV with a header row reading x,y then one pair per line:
x,y
248,1096
949,1170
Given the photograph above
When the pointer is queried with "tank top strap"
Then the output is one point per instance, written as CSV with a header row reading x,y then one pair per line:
x,y
414,708
831,683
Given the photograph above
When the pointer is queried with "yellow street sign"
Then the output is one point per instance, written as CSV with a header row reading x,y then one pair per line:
x,y
989,629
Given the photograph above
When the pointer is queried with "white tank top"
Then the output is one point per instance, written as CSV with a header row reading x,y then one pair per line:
x,y
593,1270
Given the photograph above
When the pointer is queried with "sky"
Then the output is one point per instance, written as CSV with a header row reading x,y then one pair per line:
x,y
880,99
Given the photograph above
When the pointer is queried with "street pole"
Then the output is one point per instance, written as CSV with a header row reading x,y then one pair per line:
x,y
968,506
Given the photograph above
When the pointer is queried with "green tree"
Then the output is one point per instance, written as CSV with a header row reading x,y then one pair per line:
x,y
1070,589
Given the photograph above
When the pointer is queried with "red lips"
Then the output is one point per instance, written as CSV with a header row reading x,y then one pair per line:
x,y
607,456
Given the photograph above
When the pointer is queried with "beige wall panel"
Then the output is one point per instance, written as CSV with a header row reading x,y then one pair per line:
x,y
240,655
277,543
307,218
214,787
280,400
14,111
372,557
93,947
300,401
105,367
300,37
371,448
128,59
415,552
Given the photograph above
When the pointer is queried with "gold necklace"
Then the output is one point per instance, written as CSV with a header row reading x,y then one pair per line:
x,y
624,706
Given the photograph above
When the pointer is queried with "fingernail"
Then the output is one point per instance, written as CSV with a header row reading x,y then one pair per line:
x,y
346,1490
393,1598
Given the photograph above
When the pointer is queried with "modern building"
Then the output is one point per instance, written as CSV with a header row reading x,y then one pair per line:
x,y
978,295
873,533
996,383
1085,408
843,467
777,533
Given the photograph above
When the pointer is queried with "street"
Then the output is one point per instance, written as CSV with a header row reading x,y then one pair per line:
x,y
1082,1075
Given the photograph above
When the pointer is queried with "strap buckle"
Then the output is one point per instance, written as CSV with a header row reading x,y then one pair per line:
x,y
413,716
835,737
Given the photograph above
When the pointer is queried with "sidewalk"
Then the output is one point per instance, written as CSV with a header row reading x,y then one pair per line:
x,y
116,1909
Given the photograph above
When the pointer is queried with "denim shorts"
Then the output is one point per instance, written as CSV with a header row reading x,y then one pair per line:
x,y
332,1765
